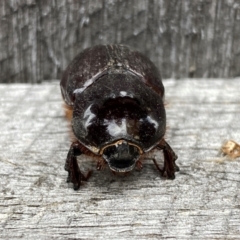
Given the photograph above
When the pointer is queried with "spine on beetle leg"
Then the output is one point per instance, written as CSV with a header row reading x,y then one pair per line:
x,y
68,112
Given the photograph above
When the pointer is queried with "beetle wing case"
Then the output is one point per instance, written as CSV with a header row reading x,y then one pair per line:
x,y
118,106
94,62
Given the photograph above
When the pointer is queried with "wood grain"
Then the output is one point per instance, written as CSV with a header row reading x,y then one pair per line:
x,y
187,38
203,202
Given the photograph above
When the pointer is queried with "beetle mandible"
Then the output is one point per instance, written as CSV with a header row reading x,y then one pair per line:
x,y
114,98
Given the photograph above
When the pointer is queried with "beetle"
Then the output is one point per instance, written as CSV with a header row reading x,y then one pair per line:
x,y
115,102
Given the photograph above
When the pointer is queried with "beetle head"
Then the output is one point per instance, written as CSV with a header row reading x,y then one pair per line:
x,y
121,156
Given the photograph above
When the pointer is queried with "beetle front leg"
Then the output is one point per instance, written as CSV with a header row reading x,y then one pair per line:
x,y
170,167
75,176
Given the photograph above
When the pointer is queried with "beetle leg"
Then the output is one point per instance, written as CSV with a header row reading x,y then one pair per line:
x,y
74,174
157,166
100,164
170,167
139,165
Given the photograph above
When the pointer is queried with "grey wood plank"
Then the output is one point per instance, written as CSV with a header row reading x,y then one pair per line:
x,y
203,202
189,38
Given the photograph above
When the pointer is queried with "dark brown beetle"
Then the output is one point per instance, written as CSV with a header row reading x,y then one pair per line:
x,y
114,98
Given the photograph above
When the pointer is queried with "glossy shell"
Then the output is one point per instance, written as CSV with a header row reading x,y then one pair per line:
x,y
115,93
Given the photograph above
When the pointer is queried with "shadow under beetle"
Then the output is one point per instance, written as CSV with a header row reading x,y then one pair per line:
x,y
114,98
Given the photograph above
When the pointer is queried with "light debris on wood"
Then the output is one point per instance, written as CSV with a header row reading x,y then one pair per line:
x,y
231,149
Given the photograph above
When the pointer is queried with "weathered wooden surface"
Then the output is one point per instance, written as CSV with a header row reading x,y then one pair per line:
x,y
187,38
203,202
